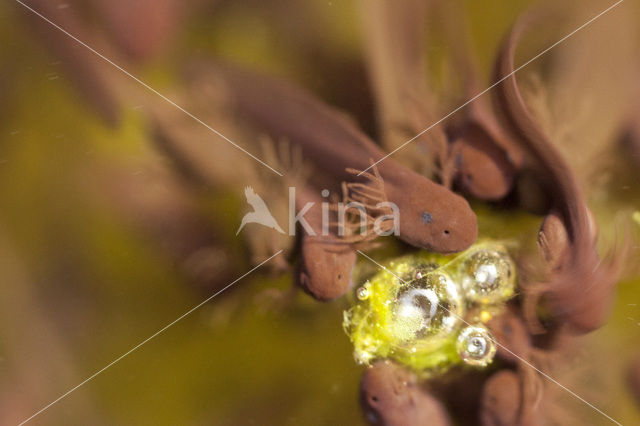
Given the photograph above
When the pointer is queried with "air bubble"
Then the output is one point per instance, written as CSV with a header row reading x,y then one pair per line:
x,y
427,307
488,277
476,346
362,293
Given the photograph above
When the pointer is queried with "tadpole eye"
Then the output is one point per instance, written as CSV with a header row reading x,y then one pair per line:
x,y
339,276
446,231
426,217
469,177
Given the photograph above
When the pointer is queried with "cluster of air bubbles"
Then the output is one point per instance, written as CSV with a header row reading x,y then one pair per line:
x,y
428,311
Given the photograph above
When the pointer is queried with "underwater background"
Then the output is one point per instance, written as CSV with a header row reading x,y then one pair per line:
x,y
82,282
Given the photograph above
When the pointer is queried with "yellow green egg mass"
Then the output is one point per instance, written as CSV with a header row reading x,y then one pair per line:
x,y
426,310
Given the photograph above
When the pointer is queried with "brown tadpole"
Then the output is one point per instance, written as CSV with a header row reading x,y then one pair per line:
x,y
482,159
578,290
326,262
511,333
503,401
164,211
141,28
326,267
630,138
468,153
391,396
431,216
634,379
477,165
394,36
84,69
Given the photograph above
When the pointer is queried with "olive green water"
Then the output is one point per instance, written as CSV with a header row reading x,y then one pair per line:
x,y
80,286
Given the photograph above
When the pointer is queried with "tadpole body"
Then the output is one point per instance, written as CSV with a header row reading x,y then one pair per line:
x,y
580,285
467,150
85,70
634,379
336,147
391,396
326,262
502,401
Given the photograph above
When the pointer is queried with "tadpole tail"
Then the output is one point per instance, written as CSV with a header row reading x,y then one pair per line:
x,y
85,71
327,137
579,292
557,175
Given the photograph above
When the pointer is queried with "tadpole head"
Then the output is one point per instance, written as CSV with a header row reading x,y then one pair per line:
x,y
391,395
501,402
482,168
434,218
326,267
385,392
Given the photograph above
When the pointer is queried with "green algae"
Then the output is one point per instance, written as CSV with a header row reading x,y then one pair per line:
x,y
413,309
